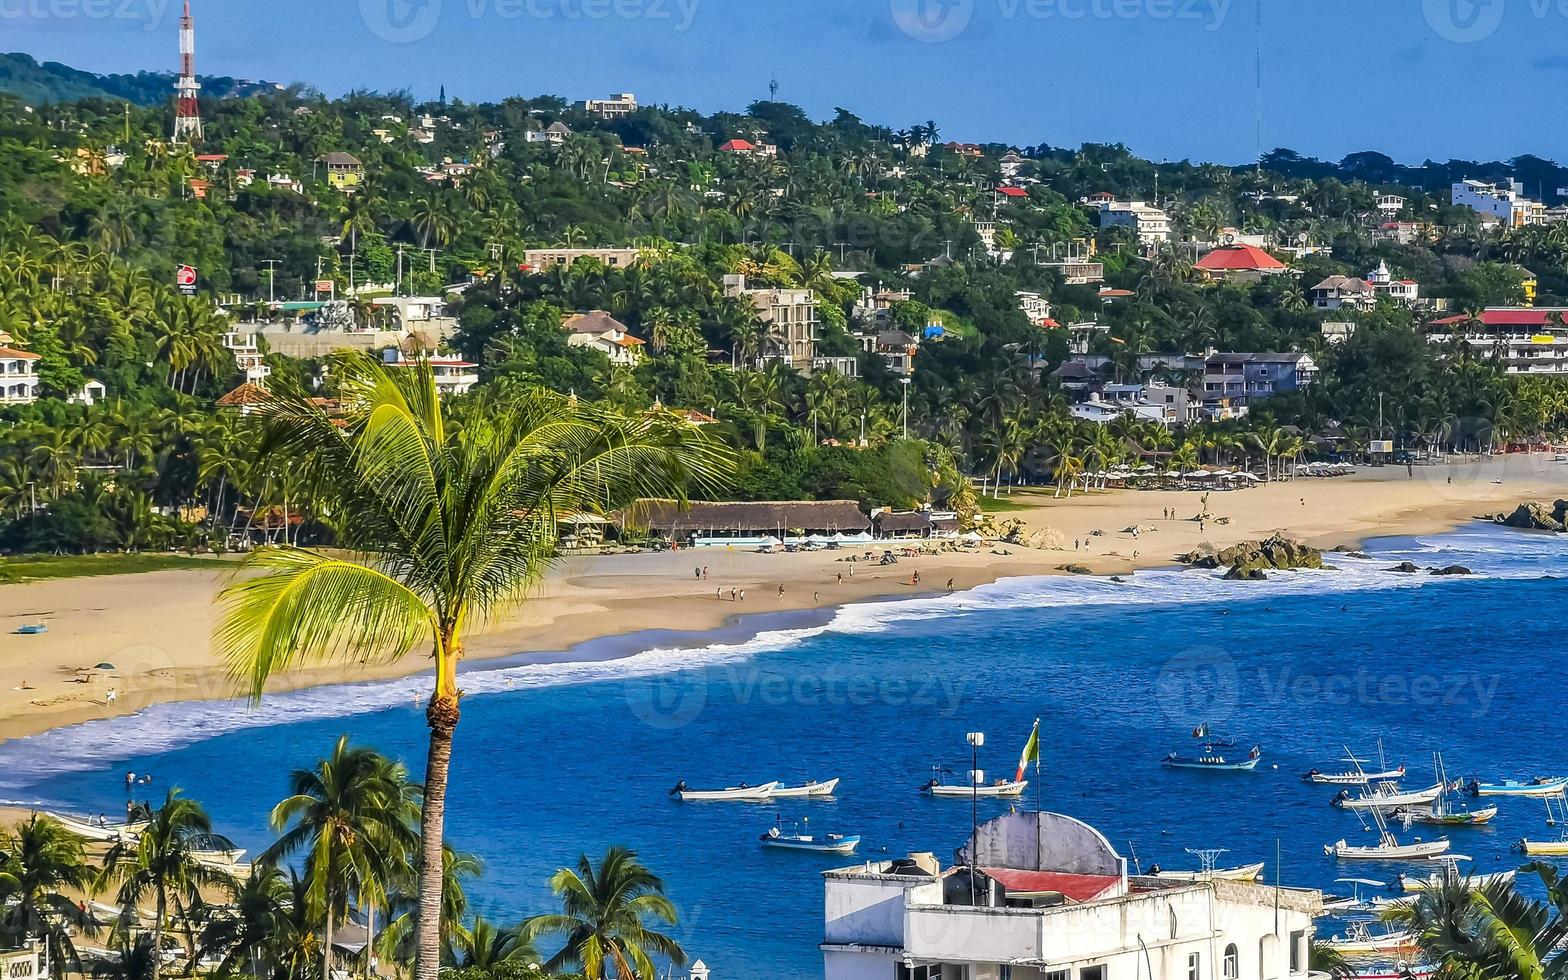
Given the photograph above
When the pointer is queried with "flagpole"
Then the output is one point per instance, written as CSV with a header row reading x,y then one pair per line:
x,y
1039,790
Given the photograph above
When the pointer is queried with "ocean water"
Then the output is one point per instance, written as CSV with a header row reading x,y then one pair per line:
x,y
554,760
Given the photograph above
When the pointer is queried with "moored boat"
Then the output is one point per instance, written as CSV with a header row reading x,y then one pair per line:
x,y
776,839
1246,872
1360,940
1001,788
1544,848
1357,900
1387,796
1450,873
811,789
215,850
731,794
1213,757
99,829
1352,778
1540,786
1387,848
1444,817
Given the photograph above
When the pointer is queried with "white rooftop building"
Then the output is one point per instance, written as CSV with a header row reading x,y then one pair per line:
x,y
1152,225
1042,896
453,375
1504,202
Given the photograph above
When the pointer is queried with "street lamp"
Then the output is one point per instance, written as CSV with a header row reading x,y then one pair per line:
x,y
905,382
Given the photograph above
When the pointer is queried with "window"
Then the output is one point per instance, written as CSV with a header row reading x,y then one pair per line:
x,y
1059,975
1096,972
1231,965
918,972
1194,966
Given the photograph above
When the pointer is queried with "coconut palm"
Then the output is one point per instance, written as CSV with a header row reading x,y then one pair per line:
x,y
161,861
441,526
352,815
606,918
1491,932
242,933
484,946
39,862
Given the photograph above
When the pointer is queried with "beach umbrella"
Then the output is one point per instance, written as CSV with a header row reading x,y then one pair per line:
x,y
105,666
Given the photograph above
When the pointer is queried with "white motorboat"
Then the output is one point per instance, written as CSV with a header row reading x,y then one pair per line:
x,y
731,794
1360,940
1451,872
1000,789
99,829
811,789
1388,796
1352,778
1357,900
1388,849
1246,872
776,839
215,850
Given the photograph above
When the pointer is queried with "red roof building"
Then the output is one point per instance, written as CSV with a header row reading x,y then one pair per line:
x,y
1513,316
1239,262
1012,192
1073,887
738,146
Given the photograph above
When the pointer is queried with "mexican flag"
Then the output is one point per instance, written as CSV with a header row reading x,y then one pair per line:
x,y
1031,752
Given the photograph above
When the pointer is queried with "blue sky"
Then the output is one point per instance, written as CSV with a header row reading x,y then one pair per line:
x,y
1171,78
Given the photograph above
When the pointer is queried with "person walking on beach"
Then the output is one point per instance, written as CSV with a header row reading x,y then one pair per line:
x,y
732,593
840,578
742,595
718,593
699,573
949,585
781,590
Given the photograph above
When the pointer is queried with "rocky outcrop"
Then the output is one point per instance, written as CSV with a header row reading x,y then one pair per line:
x,y
1405,567
1074,570
1532,515
1452,570
1251,561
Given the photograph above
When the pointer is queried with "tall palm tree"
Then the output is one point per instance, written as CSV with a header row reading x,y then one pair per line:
x,y
606,918
243,933
442,526
38,863
353,816
161,862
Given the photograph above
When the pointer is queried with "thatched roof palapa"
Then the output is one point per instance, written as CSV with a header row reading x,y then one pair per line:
x,y
668,517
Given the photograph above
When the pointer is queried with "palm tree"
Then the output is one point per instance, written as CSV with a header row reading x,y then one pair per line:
x,y
161,861
243,932
1491,932
353,816
38,863
484,946
442,526
605,918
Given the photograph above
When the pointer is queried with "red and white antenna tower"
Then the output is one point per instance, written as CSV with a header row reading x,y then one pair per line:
x,y
187,115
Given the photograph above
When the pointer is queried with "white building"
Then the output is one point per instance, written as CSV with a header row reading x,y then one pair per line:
x,y
1505,203
1046,897
1035,307
1339,292
602,332
247,355
453,375
1406,291
554,134
18,377
1528,340
91,394
1152,225
615,107
28,962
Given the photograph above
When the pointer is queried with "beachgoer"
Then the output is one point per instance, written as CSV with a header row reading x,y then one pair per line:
x,y
742,595
732,593
130,780
781,590
840,578
705,573
949,585
1303,501
718,593
916,578
110,696
699,572
814,597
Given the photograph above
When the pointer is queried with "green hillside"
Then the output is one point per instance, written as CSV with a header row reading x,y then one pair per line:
x,y
51,82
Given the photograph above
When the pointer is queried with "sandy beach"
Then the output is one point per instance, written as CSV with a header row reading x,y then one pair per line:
x,y
154,627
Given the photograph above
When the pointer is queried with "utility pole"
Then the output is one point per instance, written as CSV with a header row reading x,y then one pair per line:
x,y
905,382
272,279
397,290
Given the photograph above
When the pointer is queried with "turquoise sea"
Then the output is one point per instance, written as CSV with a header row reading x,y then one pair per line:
x,y
556,759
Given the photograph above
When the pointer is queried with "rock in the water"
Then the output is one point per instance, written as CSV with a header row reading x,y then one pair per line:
x,y
1074,570
1277,553
1452,570
1246,573
1408,568
1533,515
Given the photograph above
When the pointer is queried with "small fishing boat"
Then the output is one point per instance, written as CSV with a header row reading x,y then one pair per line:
x,y
1213,757
1399,971
1387,796
731,794
1002,788
1356,901
1360,940
1247,872
1540,786
1442,812
32,629
1387,848
215,850
1450,873
811,789
1544,848
776,839
99,829
1352,778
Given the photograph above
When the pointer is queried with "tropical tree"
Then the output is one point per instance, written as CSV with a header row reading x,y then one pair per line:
x,y
161,861
352,815
608,918
442,525
1490,931
40,862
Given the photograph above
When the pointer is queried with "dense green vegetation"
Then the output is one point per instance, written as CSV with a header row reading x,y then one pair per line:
x,y
348,843
97,209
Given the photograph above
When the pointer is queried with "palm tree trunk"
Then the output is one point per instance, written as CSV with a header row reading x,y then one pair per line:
x,y
326,947
441,715
157,937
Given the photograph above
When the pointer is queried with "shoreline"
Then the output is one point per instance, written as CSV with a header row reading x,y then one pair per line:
x,y
602,609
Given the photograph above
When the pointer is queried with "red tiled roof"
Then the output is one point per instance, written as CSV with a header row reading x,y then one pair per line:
x,y
1012,191
248,393
12,354
1049,323
1116,293
736,146
1078,888
211,157
1231,258
1506,317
